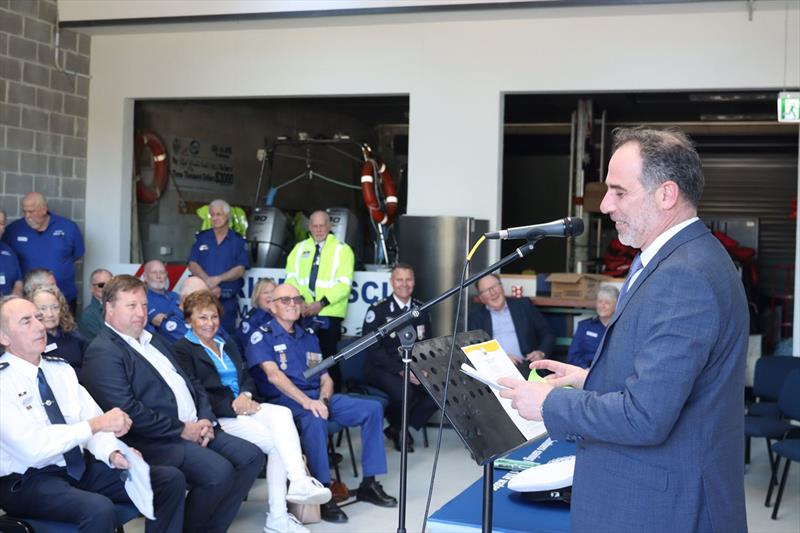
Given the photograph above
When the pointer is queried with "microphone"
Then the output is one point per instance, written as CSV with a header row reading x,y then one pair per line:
x,y
565,227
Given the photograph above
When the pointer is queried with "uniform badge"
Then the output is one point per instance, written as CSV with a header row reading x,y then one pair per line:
x,y
203,247
283,364
421,331
50,347
256,337
27,402
305,254
171,325
313,359
245,327
22,238
59,233
370,316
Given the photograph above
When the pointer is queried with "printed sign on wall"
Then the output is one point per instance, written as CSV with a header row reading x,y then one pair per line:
x,y
200,165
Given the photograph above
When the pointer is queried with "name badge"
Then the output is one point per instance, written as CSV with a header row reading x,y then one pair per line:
x,y
27,401
305,254
2,279
591,334
22,238
421,331
280,348
50,347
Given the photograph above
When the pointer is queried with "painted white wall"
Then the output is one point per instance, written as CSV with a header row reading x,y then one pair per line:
x,y
455,67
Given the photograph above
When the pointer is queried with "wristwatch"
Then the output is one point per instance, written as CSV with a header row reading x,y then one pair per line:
x,y
248,394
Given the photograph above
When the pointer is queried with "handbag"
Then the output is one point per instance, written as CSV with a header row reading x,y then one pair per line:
x,y
306,513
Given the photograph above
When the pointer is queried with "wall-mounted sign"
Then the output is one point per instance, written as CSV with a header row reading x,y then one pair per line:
x,y
788,107
200,165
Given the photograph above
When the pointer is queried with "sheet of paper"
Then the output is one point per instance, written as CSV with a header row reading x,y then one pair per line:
x,y
492,363
137,484
474,374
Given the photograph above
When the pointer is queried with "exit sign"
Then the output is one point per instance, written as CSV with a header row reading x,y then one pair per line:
x,y
788,107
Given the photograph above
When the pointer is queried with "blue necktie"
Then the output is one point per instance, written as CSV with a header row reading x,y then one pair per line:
x,y
636,266
312,277
76,464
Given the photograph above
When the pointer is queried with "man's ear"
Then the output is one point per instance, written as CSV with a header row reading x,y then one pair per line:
x,y
668,195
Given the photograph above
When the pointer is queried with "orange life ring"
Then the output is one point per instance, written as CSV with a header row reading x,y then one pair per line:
x,y
149,194
368,173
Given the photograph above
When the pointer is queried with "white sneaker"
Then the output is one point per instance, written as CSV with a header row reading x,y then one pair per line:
x,y
308,490
287,523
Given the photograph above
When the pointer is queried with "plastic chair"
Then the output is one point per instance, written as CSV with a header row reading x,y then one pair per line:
x,y
8,524
788,448
768,380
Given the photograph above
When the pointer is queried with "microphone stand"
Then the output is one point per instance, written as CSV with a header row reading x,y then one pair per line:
x,y
407,339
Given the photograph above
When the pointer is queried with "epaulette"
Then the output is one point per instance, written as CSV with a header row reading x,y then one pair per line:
x,y
310,331
55,358
265,328
414,301
380,302
3,366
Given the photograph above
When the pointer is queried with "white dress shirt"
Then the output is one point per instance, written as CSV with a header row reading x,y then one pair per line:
x,y
187,411
27,438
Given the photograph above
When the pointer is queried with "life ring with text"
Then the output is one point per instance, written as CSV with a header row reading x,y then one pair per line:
x,y
149,194
368,174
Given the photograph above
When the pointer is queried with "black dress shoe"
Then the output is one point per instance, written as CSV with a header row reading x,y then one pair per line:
x,y
330,512
372,492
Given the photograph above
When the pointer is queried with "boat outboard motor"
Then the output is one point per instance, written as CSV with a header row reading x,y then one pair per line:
x,y
344,225
270,236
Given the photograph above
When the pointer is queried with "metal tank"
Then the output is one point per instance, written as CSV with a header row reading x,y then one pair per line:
x,y
270,237
344,226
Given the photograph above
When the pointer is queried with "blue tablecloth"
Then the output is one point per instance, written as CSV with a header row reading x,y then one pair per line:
x,y
512,513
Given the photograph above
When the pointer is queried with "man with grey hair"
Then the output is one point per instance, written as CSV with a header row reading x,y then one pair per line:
x,y
160,300
91,318
42,239
10,272
36,278
587,335
220,257
173,325
658,416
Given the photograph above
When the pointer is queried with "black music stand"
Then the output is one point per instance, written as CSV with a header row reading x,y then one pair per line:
x,y
472,408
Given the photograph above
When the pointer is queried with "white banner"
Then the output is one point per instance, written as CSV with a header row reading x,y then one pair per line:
x,y
368,288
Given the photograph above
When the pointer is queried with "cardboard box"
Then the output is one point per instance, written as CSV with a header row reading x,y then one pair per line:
x,y
571,286
528,284
593,194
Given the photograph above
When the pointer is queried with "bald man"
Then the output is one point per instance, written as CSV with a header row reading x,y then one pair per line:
x,y
43,239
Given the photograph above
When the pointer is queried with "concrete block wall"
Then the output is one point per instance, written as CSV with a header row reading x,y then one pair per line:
x,y
43,110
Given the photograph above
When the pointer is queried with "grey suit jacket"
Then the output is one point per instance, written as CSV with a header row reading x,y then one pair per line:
x,y
659,425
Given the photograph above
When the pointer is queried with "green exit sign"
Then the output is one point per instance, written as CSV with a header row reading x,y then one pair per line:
x,y
788,107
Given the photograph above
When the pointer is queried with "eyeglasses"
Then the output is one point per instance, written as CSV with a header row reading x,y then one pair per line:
x,y
99,285
491,289
289,300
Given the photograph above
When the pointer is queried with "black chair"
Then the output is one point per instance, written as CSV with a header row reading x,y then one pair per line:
x,y
770,373
788,448
125,512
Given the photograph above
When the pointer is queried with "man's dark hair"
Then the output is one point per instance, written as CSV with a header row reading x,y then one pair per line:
x,y
667,155
121,283
402,266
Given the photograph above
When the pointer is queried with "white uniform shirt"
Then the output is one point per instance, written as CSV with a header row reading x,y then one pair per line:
x,y
187,411
27,438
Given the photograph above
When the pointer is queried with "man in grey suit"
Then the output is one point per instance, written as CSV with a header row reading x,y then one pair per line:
x,y
657,418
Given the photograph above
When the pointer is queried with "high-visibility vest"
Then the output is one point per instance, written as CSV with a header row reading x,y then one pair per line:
x,y
334,277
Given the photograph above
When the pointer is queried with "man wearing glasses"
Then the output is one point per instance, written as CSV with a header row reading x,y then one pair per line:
x,y
517,325
278,353
91,318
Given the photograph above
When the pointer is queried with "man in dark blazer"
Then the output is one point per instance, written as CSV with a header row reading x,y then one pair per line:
x,y
173,423
517,325
657,418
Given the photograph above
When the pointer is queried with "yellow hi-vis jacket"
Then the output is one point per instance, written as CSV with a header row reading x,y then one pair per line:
x,y
334,277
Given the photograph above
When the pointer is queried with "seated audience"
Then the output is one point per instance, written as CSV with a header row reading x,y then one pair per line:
x,y
173,325
161,301
91,318
384,366
59,458
36,278
63,340
277,354
219,367
172,420
517,325
10,271
590,331
259,310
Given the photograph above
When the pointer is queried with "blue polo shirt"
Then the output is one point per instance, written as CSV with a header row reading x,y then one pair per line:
x,y
585,342
10,273
218,258
161,303
290,351
56,248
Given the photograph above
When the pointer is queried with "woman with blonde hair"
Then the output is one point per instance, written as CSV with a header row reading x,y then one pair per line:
x,y
258,314
63,339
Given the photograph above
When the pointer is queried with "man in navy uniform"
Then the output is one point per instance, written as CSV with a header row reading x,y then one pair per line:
x,y
384,367
10,272
45,240
58,451
219,257
161,301
278,353
173,423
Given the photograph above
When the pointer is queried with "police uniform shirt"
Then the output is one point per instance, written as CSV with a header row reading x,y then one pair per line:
x,y
384,354
27,438
55,248
218,258
292,352
10,272
255,318
585,342
158,302
187,411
